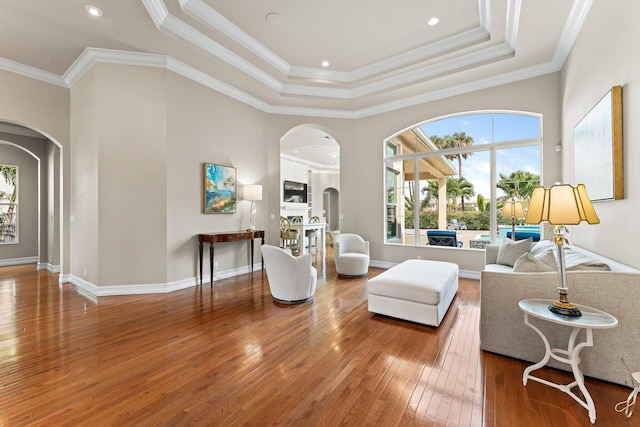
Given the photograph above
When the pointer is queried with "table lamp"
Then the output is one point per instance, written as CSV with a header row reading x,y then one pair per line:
x,y
253,192
513,209
561,205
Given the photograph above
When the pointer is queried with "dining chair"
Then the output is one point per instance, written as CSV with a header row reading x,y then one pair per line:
x,y
289,238
312,234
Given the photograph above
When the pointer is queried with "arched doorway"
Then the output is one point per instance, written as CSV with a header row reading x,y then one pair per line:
x,y
45,215
310,156
331,208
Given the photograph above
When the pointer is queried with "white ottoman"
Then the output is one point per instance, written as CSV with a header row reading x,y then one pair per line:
x,y
415,290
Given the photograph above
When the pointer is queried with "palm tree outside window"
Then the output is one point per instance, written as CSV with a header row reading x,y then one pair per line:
x,y
8,204
461,167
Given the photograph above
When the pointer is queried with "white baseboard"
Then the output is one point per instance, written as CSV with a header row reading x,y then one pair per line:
x,y
17,261
163,288
151,288
49,267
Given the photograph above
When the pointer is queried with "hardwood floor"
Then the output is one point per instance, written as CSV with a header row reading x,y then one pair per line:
x,y
231,356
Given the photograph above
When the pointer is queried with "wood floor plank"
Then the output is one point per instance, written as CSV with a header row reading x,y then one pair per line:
x,y
230,356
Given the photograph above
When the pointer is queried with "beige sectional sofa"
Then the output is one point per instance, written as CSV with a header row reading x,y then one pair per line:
x,y
502,328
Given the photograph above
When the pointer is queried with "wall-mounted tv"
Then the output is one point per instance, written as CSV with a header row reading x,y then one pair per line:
x,y
295,192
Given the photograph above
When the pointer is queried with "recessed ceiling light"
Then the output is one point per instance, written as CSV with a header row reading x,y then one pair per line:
x,y
433,21
93,11
274,18
325,63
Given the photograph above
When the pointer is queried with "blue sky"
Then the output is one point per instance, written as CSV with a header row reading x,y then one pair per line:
x,y
505,127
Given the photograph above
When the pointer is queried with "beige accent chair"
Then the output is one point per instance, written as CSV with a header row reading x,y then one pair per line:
x,y
351,254
292,280
312,234
288,237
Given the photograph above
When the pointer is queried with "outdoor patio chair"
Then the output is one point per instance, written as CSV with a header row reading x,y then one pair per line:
x,y
443,238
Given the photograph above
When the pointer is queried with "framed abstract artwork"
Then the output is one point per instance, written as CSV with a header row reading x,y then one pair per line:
x,y
219,189
597,148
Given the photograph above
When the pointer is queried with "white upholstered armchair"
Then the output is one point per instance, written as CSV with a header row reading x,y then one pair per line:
x,y
292,279
351,253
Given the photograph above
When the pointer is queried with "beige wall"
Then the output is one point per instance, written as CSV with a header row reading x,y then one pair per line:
x,y
44,108
606,54
119,125
205,126
84,180
50,211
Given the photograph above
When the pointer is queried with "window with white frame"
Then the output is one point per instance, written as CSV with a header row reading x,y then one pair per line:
x,y
454,174
8,204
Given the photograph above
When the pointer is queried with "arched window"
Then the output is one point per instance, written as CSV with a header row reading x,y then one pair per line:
x,y
8,204
455,174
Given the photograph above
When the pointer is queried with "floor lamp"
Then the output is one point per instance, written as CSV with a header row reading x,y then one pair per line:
x,y
253,192
512,209
561,205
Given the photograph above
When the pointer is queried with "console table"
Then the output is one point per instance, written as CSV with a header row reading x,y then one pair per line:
x,y
223,237
591,319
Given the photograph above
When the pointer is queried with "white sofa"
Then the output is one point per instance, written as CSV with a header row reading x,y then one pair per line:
x,y
502,328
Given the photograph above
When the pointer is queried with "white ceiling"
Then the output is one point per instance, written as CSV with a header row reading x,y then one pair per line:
x,y
383,55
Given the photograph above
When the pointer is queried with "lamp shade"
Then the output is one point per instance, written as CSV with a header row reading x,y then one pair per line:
x,y
253,192
512,209
561,204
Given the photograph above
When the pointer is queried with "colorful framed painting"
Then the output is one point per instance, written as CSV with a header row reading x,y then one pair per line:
x,y
219,189
597,148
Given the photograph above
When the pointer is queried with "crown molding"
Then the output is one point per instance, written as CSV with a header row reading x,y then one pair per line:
x,y
204,13
514,76
34,73
513,22
91,56
209,16
577,16
168,23
473,58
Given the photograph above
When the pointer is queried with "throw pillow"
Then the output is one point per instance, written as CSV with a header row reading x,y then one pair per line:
x,y
529,263
510,251
549,258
